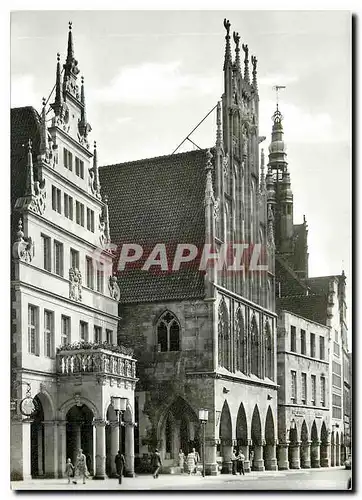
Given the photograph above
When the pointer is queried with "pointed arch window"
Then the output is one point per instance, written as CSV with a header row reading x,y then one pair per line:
x,y
269,352
168,332
240,344
255,358
223,334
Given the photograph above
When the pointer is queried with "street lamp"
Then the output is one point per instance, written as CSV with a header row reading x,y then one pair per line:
x,y
203,417
120,406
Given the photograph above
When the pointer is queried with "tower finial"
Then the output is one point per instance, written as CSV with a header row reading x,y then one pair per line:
x,y
254,62
58,101
218,126
246,63
30,175
262,171
20,232
227,60
236,37
44,133
70,53
97,187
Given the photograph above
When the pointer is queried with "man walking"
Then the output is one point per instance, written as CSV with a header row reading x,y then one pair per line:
x,y
119,461
156,463
234,458
240,462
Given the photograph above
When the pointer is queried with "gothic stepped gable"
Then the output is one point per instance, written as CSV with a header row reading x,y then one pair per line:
x,y
158,200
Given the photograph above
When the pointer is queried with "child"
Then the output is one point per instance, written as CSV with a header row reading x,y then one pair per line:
x,y
69,469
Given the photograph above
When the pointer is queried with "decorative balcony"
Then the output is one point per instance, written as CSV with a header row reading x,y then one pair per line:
x,y
102,359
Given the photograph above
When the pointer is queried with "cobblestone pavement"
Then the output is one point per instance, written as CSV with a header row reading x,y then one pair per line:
x,y
304,479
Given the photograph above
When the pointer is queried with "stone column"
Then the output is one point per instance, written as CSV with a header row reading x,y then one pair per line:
x,y
62,446
129,449
283,462
333,455
295,455
100,468
270,457
245,451
226,450
305,455
50,449
20,456
258,458
211,467
40,450
325,454
315,456
114,447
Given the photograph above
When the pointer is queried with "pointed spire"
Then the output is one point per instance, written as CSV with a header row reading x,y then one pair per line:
x,y
43,133
83,126
30,176
70,52
97,186
254,62
246,63
237,50
227,60
58,101
218,126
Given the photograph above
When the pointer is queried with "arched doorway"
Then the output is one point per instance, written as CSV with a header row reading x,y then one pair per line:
x,y
80,434
294,447
242,435
269,448
305,444
179,428
337,450
37,440
343,450
315,447
256,439
324,446
225,434
333,450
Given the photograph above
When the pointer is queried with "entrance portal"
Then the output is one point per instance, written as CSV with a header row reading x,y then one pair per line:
x,y
80,434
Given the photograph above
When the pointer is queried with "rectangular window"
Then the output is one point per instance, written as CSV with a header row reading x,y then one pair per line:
x,y
74,259
58,258
322,353
293,339
97,334
312,345
90,220
33,325
100,277
56,199
79,213
109,336
47,255
294,386
323,391
68,206
336,412
314,390
89,273
49,334
303,343
335,336
65,330
68,159
79,168
304,388
336,349
84,331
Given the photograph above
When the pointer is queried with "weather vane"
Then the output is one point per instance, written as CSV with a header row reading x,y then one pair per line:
x,y
277,88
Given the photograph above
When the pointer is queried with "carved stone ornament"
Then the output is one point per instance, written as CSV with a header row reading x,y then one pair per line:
x,y
23,248
217,209
113,287
75,284
34,202
225,165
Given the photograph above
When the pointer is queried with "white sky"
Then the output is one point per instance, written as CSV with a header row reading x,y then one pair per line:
x,y
150,77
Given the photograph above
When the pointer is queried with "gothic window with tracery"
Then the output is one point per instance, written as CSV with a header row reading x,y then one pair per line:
x,y
269,372
240,344
223,335
168,332
255,358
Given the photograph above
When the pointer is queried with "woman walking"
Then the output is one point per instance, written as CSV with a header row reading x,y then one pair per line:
x,y
191,462
80,466
181,460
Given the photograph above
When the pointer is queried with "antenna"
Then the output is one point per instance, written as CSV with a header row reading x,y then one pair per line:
x,y
277,88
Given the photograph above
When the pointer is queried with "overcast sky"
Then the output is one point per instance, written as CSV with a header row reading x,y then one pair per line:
x,y
150,77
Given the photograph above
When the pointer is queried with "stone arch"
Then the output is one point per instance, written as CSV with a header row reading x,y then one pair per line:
x,y
226,433
241,427
305,446
269,427
333,451
37,445
270,441
47,404
67,405
256,432
343,449
324,455
79,432
314,433
315,450
293,449
304,435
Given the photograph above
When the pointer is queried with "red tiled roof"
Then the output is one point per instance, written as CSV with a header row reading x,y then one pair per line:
x,y
158,200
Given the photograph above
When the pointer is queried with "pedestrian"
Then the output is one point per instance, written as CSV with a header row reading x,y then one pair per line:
x,y
234,460
80,466
191,462
240,463
119,461
156,463
181,460
69,469
88,462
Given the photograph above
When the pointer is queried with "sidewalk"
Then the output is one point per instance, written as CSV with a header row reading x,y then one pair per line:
x,y
147,482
